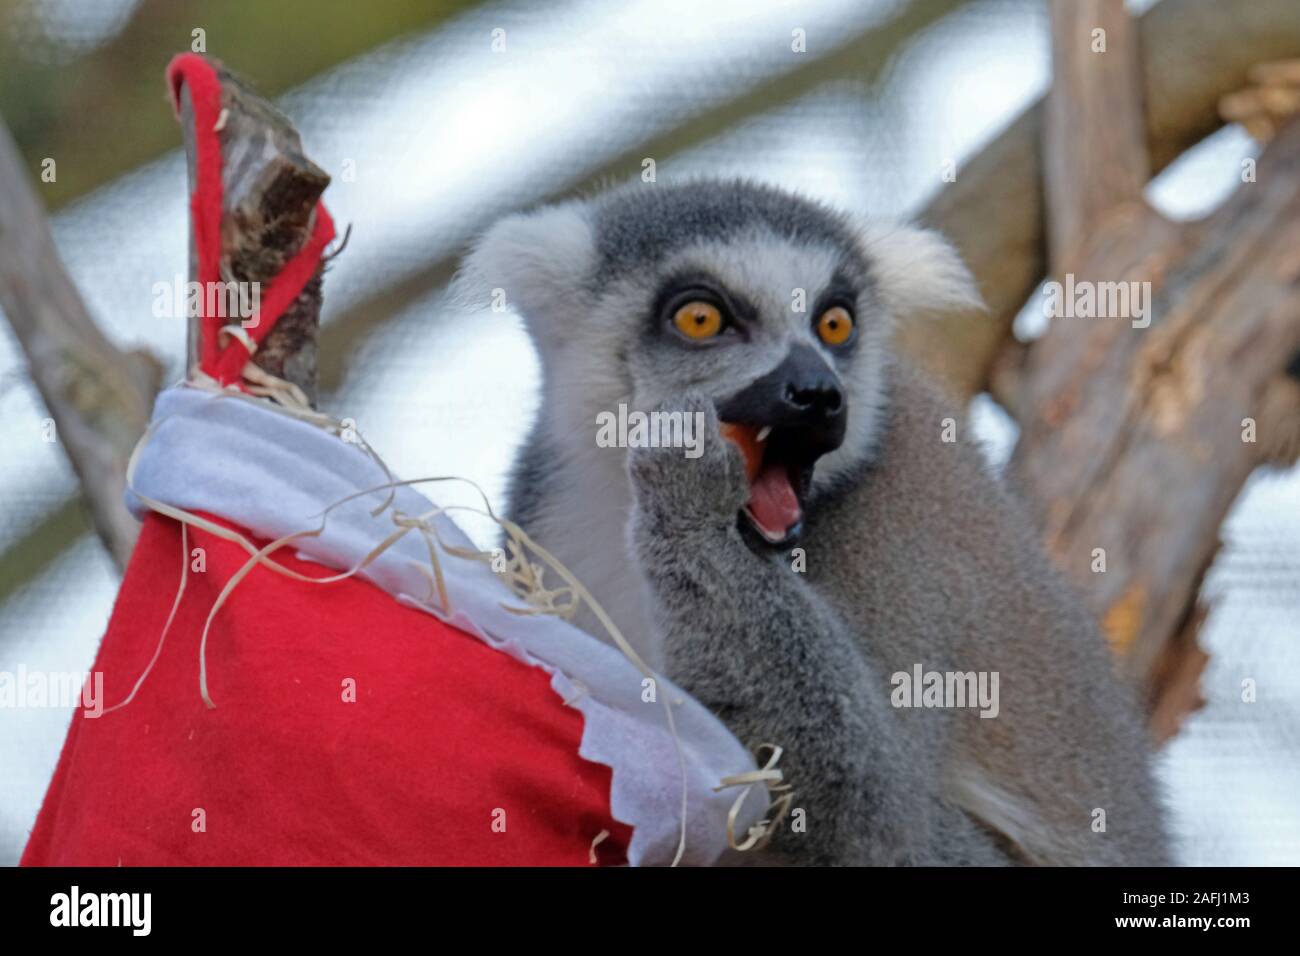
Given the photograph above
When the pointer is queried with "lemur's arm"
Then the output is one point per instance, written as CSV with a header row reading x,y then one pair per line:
x,y
745,635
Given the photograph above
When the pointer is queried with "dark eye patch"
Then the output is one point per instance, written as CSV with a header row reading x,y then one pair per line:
x,y
738,312
842,291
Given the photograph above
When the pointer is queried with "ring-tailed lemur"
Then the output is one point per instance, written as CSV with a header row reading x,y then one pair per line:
x,y
755,308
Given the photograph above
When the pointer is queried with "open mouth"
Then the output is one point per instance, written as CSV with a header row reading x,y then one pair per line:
x,y
779,462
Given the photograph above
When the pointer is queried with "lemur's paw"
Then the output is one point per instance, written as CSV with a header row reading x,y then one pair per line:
x,y
698,484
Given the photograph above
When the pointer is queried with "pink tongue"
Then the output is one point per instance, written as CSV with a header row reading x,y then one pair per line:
x,y
772,502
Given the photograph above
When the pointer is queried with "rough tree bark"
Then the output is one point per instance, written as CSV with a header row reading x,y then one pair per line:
x,y
1094,138
268,212
1137,440
1193,52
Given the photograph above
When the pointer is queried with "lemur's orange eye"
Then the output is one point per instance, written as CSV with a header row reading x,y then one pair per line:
x,y
698,320
835,326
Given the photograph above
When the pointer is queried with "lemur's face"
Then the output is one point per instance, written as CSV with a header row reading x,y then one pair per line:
x,y
775,307
787,339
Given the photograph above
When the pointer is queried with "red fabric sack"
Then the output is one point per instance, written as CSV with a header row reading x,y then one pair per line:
x,y
452,753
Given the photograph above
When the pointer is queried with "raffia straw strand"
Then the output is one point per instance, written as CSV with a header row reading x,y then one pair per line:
x,y
157,651
761,833
597,841
238,332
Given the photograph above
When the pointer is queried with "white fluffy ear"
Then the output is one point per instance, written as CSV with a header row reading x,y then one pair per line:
x,y
918,270
537,259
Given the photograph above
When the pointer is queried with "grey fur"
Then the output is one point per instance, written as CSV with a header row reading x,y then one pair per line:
x,y
914,554
637,227
780,666
955,577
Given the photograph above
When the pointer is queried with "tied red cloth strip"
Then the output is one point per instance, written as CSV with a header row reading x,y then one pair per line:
x,y
226,364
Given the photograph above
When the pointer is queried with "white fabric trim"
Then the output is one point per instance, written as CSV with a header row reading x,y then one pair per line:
x,y
274,475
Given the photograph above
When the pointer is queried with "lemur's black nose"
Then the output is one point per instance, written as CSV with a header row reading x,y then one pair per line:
x,y
802,392
819,397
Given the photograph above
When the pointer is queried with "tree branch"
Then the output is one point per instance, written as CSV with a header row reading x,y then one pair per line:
x,y
98,395
1095,157
1193,52
1138,440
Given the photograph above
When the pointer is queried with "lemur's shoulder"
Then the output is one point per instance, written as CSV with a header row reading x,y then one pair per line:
x,y
933,560
928,533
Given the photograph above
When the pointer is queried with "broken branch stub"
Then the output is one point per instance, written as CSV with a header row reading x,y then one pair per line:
x,y
269,196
